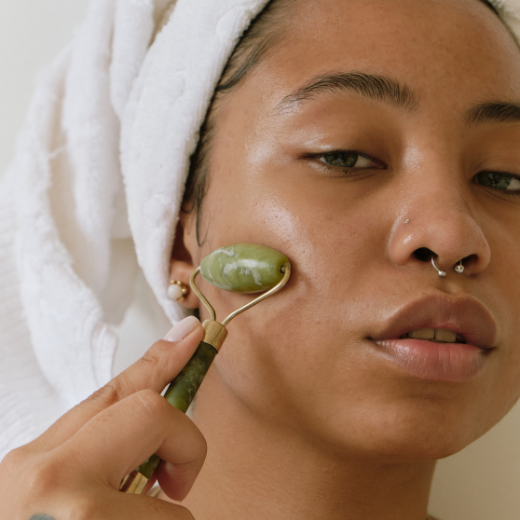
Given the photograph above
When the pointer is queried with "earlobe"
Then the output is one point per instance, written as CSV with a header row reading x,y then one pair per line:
x,y
179,289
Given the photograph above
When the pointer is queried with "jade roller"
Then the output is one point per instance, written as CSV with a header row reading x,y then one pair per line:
x,y
241,268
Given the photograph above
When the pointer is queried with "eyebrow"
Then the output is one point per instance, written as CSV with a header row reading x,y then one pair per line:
x,y
494,111
371,86
384,88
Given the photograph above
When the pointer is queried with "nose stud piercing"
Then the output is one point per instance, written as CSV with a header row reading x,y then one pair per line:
x,y
459,268
442,274
407,221
177,290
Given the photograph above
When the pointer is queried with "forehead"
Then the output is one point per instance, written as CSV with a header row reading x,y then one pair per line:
x,y
431,45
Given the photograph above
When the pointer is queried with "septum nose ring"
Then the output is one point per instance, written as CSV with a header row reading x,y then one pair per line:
x,y
458,268
442,274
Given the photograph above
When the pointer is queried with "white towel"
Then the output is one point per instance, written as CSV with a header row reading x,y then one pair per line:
x,y
92,197
111,126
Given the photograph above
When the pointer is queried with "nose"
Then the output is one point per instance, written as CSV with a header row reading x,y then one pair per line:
x,y
442,224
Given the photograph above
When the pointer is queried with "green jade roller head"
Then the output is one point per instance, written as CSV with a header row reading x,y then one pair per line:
x,y
244,268
240,268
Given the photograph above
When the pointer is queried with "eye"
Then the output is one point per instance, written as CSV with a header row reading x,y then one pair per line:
x,y
499,181
348,159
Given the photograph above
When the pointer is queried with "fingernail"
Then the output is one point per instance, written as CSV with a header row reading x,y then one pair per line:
x,y
182,329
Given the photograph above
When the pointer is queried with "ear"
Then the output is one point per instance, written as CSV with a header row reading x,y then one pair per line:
x,y
181,267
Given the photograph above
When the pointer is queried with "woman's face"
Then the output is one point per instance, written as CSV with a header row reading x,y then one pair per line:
x,y
405,146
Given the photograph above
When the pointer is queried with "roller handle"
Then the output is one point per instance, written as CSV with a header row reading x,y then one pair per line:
x,y
180,394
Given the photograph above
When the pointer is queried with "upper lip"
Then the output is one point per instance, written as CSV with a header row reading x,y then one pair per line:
x,y
464,315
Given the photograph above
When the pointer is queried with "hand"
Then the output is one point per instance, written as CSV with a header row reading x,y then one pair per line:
x,y
75,468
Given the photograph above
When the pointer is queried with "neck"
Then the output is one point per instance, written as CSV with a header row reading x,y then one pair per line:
x,y
253,470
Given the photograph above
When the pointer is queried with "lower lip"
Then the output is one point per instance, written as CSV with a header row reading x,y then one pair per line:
x,y
448,362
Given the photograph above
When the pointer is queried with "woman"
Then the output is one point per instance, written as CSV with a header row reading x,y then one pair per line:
x,y
373,143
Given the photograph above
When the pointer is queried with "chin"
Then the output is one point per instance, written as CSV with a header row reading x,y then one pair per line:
x,y
420,446
410,435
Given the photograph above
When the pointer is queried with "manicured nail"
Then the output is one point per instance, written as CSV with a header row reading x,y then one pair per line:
x,y
182,329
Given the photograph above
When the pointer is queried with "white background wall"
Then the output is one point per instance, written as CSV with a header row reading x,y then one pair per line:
x,y
31,33
481,483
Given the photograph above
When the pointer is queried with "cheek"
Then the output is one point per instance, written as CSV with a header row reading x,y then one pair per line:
x,y
297,342
298,337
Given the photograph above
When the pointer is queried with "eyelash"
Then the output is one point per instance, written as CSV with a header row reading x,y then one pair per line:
x,y
509,193
344,154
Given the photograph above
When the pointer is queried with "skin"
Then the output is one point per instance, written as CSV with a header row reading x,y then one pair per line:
x,y
302,415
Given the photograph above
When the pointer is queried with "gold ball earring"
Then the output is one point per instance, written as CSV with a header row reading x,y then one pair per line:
x,y
177,291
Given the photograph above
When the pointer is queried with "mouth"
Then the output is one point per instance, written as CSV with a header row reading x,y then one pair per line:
x,y
438,338
439,318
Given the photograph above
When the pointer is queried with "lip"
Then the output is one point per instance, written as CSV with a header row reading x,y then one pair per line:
x,y
451,362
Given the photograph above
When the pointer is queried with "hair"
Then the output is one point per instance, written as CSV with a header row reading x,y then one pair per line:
x,y
490,5
257,41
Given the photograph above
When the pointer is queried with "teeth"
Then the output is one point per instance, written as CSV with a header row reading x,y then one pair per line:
x,y
447,336
422,334
440,335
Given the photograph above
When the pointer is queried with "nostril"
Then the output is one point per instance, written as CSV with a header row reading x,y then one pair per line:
x,y
423,254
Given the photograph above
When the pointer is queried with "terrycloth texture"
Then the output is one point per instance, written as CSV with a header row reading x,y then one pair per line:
x,y
92,197
109,134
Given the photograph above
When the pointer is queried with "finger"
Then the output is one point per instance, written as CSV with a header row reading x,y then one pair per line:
x,y
176,480
161,363
119,438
